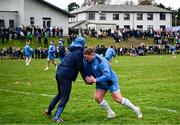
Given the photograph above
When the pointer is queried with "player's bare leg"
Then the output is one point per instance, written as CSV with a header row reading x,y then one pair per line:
x,y
99,97
47,67
28,62
124,101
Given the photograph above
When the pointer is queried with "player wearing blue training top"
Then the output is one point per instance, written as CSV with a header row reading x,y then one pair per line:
x,y
98,70
51,55
110,52
67,71
28,53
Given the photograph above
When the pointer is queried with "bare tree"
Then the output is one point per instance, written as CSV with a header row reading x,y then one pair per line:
x,y
129,2
146,2
86,3
108,2
101,1
95,2
98,2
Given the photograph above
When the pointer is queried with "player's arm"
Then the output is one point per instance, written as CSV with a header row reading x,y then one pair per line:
x,y
87,73
52,49
83,75
82,72
104,67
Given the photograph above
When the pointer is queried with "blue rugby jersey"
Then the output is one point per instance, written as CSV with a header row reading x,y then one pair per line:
x,y
110,52
27,50
51,51
101,70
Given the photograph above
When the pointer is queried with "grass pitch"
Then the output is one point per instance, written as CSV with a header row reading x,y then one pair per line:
x,y
151,82
90,41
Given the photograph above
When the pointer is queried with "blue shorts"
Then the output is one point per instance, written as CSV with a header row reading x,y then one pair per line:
x,y
28,56
52,58
112,88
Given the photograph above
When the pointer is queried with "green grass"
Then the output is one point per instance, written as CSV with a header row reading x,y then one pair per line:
x,y
150,82
90,41
18,43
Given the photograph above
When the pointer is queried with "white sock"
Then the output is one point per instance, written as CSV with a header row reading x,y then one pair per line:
x,y
26,60
105,106
128,103
29,61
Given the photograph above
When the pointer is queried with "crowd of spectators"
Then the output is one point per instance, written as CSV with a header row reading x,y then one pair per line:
x,y
22,33
163,40
140,50
161,37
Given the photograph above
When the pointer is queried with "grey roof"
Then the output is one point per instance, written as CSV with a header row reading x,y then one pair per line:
x,y
77,23
55,7
121,8
73,24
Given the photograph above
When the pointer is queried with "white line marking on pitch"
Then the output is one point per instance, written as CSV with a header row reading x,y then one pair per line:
x,y
26,93
47,95
161,109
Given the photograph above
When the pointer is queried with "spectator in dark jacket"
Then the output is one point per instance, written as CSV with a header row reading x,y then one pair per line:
x,y
67,71
61,50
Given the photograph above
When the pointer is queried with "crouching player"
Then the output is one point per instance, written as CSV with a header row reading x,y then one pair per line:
x,y
98,70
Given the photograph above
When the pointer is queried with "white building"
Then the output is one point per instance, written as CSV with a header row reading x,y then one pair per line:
x,y
32,12
121,16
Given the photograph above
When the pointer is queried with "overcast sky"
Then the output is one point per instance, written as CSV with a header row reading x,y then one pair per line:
x,y
175,4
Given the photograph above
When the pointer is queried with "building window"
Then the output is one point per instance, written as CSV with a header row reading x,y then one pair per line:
x,y
140,27
162,16
116,16
127,16
149,27
149,16
2,23
102,16
11,23
126,26
91,16
32,19
139,16
46,22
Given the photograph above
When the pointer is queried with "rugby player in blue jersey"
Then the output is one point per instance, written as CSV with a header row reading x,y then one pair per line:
x,y
51,55
110,52
98,70
28,53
